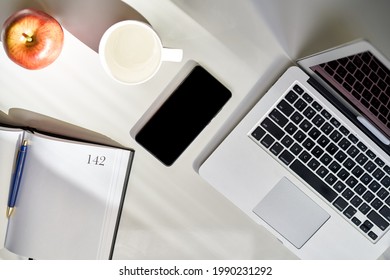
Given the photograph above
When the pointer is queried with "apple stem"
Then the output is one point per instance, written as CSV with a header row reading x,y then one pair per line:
x,y
28,37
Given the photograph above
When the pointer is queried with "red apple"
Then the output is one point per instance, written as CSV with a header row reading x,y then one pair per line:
x,y
32,38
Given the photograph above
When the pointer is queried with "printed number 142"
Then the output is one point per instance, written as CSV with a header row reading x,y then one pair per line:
x,y
96,160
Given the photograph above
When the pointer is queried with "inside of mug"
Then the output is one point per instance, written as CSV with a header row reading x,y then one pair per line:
x,y
132,53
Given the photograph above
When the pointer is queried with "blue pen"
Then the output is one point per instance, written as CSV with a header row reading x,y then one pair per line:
x,y
17,178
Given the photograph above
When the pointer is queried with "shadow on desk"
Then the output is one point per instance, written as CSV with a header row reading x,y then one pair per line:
x,y
87,20
21,118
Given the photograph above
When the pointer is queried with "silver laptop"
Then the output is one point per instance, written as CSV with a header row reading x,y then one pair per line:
x,y
310,161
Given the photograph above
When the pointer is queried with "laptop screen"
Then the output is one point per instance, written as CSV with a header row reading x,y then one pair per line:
x,y
364,82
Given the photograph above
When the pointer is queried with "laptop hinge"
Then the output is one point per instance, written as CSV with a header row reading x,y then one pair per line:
x,y
347,112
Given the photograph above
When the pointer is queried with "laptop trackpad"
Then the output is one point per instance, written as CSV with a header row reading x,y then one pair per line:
x,y
291,213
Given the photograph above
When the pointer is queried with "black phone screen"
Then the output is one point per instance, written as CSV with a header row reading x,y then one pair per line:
x,y
180,119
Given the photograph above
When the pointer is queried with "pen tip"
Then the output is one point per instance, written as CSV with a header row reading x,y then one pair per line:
x,y
10,210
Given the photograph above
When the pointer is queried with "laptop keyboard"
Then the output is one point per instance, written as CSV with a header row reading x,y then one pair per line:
x,y
365,81
306,138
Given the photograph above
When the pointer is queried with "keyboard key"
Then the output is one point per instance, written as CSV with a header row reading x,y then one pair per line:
x,y
317,106
325,159
369,166
344,130
385,211
361,159
276,149
353,138
339,186
327,128
300,105
388,201
382,194
285,108
267,141
313,164
360,189
336,136
296,117
308,144
323,141
316,183
305,125
344,144
326,114
356,201
350,212
361,146
322,172
349,164
318,121
331,179
309,112
356,221
376,204
370,154
386,181
342,174
304,156
377,220
364,208
374,186
258,133
332,148
314,133
353,151
286,157
340,203
351,181
372,235
290,128
307,97
366,226
317,152
296,149
298,89
272,128
379,162
368,196
287,141
366,179
278,118
340,156
357,171
348,194
299,136
291,96
334,166
335,122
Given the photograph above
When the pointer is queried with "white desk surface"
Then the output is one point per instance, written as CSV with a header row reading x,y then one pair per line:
x,y
170,212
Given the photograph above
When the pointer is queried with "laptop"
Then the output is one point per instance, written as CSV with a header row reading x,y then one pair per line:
x,y
310,161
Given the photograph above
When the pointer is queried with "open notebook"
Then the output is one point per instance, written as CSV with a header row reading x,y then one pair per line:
x,y
70,197
310,161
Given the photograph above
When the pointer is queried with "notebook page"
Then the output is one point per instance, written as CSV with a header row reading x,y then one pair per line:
x,y
68,200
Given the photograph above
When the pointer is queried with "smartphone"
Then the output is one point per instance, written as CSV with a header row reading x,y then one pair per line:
x,y
183,115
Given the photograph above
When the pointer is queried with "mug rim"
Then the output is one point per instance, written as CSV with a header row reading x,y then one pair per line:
x,y
103,43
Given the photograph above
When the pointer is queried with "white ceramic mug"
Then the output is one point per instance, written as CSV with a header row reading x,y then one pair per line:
x,y
131,52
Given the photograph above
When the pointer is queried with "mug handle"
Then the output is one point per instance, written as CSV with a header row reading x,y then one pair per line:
x,y
173,55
